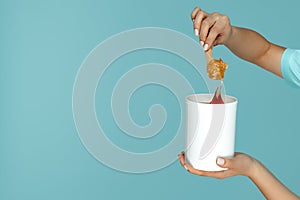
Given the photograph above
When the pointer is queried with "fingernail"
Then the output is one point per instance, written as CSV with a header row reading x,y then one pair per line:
x,y
220,161
196,32
185,167
205,47
202,43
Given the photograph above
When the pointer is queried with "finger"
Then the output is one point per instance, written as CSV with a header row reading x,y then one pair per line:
x,y
216,33
182,160
206,25
225,162
216,42
211,38
214,174
194,13
192,170
218,174
219,40
198,172
201,15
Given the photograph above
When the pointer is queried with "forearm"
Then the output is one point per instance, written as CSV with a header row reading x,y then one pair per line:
x,y
269,185
253,47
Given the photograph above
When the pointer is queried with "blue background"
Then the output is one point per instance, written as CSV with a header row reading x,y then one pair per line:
x,y
43,44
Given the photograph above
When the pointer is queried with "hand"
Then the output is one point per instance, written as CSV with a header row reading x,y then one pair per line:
x,y
240,164
213,29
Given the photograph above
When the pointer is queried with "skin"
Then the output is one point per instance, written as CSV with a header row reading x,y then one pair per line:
x,y
240,164
215,29
243,164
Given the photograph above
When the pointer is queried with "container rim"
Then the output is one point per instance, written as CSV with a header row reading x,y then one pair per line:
x,y
197,98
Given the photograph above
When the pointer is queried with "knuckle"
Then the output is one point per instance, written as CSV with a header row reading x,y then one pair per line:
x,y
194,12
225,19
216,14
201,13
220,17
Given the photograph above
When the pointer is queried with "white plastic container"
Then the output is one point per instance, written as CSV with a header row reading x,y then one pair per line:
x,y
210,131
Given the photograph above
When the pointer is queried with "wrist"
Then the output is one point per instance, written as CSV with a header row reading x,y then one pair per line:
x,y
231,34
254,169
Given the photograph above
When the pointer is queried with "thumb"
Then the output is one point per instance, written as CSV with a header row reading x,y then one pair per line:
x,y
225,162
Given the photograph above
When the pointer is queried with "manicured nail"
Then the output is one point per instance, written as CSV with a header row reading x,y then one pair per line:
x,y
186,167
202,43
205,47
220,161
196,32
